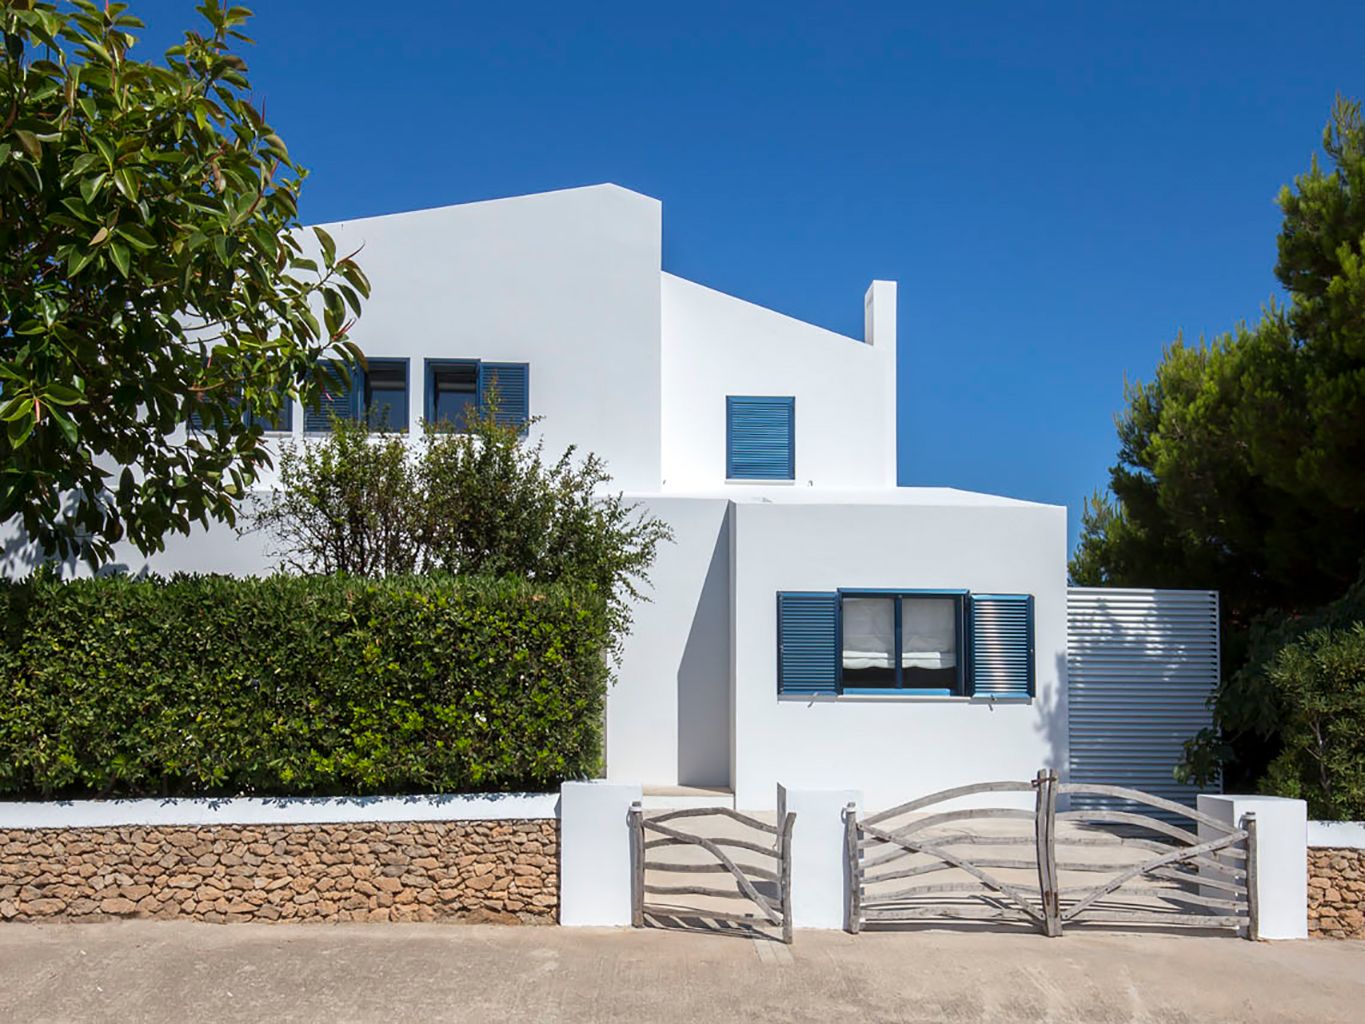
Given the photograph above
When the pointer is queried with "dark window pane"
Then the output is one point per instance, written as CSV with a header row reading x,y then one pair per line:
x,y
386,394
455,395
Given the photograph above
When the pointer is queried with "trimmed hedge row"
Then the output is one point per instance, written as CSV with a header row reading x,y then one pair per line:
x,y
209,685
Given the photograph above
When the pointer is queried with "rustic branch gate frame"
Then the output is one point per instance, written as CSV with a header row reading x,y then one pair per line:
x,y
1225,863
776,913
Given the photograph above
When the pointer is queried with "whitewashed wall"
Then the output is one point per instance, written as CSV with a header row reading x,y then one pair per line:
x,y
668,716
716,345
893,748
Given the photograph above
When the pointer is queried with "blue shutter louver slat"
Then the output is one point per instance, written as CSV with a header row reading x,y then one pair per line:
x,y
1002,645
337,398
807,643
760,438
510,384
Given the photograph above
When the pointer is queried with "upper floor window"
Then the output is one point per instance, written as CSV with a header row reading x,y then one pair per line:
x,y
760,437
379,392
386,394
458,389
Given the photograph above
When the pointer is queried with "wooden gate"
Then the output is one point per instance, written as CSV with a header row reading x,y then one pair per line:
x,y
765,886
1121,866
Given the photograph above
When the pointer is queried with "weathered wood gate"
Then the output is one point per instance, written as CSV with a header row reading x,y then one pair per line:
x,y
1120,865
773,906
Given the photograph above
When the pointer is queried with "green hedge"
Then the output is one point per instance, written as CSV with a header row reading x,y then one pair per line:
x,y
208,685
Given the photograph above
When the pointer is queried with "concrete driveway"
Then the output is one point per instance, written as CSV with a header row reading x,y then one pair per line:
x,y
167,971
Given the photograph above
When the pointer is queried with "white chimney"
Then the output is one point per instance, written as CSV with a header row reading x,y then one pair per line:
x,y
879,331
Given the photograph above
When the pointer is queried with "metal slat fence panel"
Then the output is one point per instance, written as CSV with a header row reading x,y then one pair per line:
x,y
1141,666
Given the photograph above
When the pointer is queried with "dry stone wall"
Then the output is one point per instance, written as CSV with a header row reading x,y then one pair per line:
x,y
382,871
1336,893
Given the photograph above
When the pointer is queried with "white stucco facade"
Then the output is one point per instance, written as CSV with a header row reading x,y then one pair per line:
x,y
636,364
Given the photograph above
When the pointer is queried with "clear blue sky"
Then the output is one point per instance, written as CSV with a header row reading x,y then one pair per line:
x,y
1058,188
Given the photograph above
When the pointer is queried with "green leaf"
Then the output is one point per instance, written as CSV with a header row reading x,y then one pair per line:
x,y
119,254
329,247
30,142
127,183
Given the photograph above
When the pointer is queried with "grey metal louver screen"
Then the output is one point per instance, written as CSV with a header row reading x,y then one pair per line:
x,y
1141,665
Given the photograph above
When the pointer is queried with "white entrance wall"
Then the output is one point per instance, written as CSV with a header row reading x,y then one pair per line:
x,y
668,715
892,748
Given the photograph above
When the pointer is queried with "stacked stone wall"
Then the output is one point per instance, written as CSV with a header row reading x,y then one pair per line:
x,y
382,871
1336,893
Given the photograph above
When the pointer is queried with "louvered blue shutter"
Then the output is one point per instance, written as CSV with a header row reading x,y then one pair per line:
x,y
760,438
1002,645
807,643
510,385
337,398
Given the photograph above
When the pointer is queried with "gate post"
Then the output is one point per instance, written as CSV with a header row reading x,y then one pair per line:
x,y
635,820
1253,881
853,874
1045,836
784,872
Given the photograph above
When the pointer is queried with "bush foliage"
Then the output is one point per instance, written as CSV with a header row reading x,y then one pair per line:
x,y
209,685
1320,683
480,501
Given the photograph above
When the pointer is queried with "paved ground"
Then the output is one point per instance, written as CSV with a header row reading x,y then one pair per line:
x,y
167,971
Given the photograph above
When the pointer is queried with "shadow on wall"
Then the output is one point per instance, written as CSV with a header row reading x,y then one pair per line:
x,y
704,678
1051,713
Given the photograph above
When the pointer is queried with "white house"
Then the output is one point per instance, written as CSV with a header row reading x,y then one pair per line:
x,y
814,623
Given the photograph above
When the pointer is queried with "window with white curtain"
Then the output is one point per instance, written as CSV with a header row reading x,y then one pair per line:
x,y
901,641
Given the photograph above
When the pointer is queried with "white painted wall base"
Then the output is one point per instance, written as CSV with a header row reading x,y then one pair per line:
x,y
594,852
1345,835
819,864
282,810
1281,861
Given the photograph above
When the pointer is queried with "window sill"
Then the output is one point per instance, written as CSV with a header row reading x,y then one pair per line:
x,y
761,483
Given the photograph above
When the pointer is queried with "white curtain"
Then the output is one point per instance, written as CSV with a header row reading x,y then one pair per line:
x,y
869,632
928,632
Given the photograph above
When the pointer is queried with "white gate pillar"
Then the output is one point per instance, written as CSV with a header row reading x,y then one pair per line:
x,y
594,852
1281,857
819,869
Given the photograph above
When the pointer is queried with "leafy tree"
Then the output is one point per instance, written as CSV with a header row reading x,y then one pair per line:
x,y
1320,683
151,276
1241,467
479,502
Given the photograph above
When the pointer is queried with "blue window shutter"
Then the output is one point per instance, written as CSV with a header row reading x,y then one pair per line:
x,y
807,643
1002,645
760,438
337,398
510,384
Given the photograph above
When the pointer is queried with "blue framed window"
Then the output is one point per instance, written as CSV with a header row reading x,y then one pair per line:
x,y
760,437
459,389
911,641
282,423
337,397
377,394
905,642
385,390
